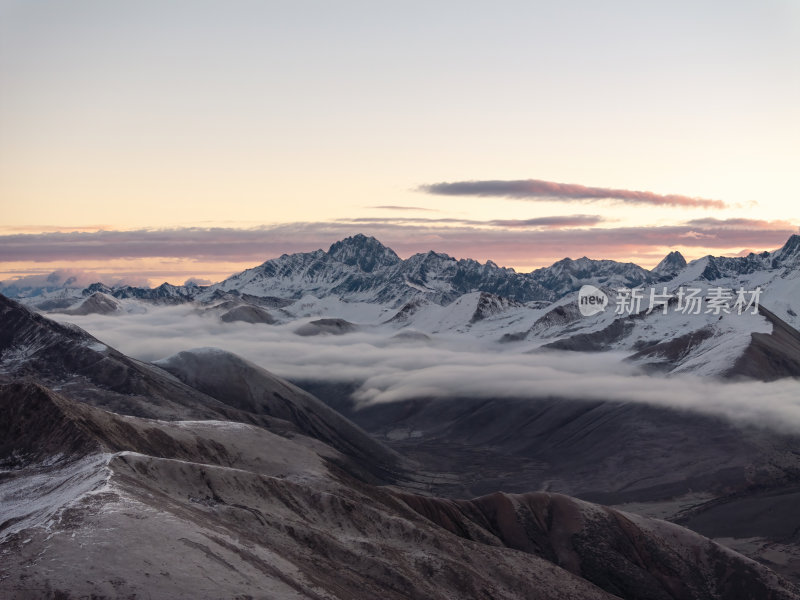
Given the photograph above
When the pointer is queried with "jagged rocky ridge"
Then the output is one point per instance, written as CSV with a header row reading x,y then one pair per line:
x,y
361,268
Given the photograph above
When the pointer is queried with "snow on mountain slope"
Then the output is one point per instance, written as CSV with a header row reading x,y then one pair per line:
x,y
367,253
707,346
782,296
563,317
709,343
672,264
98,303
479,314
361,269
129,298
569,275
330,306
776,274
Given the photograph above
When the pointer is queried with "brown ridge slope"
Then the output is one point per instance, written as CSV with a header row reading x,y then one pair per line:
x,y
770,356
625,554
212,509
223,510
245,386
80,367
34,427
68,358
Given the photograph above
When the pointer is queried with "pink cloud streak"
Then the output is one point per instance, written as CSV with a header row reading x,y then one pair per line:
x,y
536,189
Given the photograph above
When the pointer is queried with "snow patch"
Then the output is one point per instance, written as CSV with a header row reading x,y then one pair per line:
x,y
36,498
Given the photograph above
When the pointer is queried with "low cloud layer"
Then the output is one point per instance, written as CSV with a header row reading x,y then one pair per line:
x,y
536,189
391,372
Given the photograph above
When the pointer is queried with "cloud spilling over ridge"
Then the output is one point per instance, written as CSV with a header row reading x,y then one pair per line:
x,y
76,278
536,189
390,372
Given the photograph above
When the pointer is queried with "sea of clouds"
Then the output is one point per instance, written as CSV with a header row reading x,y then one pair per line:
x,y
390,370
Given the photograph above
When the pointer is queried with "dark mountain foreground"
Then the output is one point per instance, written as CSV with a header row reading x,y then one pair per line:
x,y
96,503
736,483
216,479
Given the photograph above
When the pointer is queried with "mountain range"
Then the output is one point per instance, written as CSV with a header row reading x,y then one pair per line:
x,y
360,268
365,285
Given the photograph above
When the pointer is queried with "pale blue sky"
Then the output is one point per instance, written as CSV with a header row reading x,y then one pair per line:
x,y
166,114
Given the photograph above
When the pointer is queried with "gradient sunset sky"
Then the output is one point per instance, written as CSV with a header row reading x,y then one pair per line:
x,y
162,140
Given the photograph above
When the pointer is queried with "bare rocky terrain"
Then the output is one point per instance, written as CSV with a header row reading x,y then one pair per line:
x,y
732,482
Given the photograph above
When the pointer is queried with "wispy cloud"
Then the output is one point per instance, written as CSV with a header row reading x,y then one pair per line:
x,y
536,189
563,221
197,281
396,207
552,222
39,228
711,222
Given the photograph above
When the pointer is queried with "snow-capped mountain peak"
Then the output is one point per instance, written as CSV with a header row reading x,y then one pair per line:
x,y
365,252
672,264
789,254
